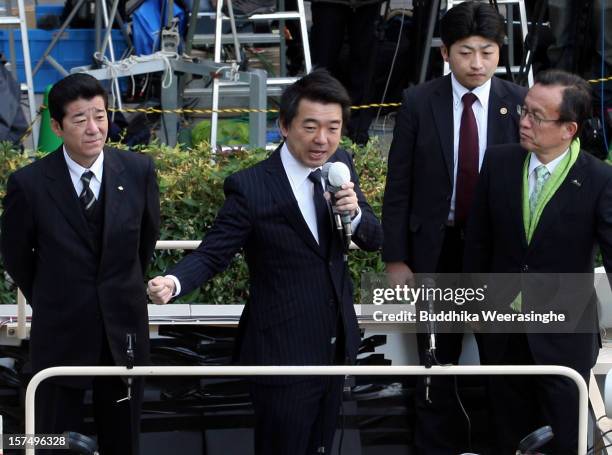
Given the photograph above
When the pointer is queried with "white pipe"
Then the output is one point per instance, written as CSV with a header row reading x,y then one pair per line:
x,y
369,370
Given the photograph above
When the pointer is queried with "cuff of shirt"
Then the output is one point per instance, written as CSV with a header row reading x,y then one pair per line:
x,y
177,285
356,220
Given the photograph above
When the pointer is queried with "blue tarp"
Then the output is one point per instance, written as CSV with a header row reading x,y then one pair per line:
x,y
146,25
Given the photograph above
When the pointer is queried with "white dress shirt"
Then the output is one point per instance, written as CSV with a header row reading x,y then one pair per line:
x,y
76,171
481,112
534,162
303,190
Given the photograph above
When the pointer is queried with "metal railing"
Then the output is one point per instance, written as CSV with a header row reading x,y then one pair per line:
x,y
22,332
461,370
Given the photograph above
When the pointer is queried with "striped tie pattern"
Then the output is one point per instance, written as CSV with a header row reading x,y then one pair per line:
x,y
542,175
323,221
87,197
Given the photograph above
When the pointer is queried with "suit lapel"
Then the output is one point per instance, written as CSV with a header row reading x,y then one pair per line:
x,y
62,192
569,189
442,109
114,189
514,184
281,191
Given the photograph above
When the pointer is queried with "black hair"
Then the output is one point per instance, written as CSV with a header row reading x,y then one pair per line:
x,y
71,88
472,19
318,86
576,101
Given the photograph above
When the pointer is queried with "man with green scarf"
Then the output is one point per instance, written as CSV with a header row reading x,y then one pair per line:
x,y
541,209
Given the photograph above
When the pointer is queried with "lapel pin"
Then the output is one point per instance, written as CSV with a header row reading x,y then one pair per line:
x,y
503,111
120,188
577,183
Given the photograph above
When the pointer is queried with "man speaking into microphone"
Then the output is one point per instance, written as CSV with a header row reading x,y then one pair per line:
x,y
300,310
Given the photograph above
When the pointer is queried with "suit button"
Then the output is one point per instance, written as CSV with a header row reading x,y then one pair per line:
x,y
525,268
331,264
442,227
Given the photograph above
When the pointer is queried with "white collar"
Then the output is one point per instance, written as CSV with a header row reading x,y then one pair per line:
x,y
482,92
296,171
78,170
534,162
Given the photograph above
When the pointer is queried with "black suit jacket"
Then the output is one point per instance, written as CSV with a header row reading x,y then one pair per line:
x,y
577,218
294,289
75,294
420,174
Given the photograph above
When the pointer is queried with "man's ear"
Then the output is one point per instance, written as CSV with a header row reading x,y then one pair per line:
x,y
444,52
569,130
57,128
282,127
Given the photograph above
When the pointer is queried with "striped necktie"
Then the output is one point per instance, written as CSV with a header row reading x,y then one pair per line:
x,y
87,197
542,175
322,212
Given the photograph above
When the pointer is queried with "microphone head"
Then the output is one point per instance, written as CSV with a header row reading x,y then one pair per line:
x,y
338,174
325,171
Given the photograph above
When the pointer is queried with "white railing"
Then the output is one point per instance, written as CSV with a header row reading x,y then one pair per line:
x,y
461,370
22,332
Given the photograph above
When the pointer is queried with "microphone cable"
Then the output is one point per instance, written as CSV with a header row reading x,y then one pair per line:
x,y
435,361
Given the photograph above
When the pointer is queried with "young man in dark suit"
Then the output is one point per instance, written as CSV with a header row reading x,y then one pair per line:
x,y
78,230
541,208
300,310
442,131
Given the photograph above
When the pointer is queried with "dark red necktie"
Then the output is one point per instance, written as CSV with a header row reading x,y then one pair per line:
x,y
467,172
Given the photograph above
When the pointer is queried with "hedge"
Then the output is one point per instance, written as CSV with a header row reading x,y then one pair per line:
x,y
191,192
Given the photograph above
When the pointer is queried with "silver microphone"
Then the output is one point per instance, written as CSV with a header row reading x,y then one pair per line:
x,y
335,175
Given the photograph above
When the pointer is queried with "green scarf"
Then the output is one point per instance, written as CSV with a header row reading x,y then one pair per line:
x,y
550,187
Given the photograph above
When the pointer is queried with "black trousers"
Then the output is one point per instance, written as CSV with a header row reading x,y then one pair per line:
x,y
296,418
300,418
60,408
330,23
519,405
441,427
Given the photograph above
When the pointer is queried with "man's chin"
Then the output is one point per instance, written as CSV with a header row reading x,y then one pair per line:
x,y
526,144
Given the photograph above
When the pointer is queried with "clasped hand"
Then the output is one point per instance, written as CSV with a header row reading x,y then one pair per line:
x,y
160,290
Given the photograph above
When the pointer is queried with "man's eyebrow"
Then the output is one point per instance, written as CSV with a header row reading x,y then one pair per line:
x,y
470,47
534,109
83,113
319,121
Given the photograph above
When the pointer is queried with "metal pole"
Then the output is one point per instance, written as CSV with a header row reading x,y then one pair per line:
x,y
340,370
27,64
433,17
304,32
214,117
111,51
257,120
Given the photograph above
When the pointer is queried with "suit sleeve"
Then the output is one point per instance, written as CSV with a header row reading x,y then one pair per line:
x,y
18,238
397,197
149,231
476,257
229,233
604,224
368,235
